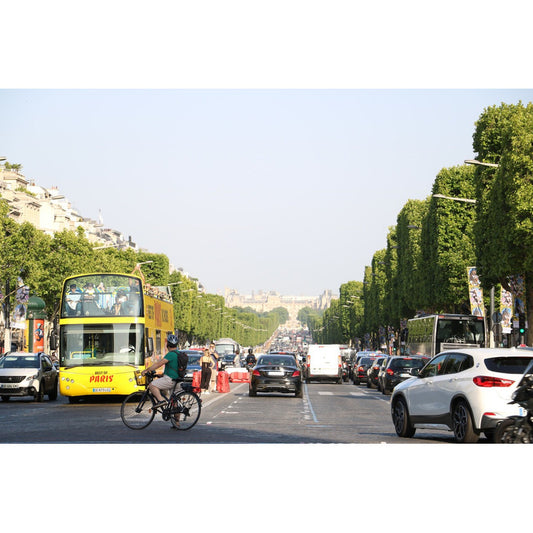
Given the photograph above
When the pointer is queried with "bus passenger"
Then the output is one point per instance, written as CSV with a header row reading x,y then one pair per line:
x,y
73,297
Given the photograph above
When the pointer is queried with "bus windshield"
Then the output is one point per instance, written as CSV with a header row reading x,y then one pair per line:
x,y
464,331
102,295
102,344
225,349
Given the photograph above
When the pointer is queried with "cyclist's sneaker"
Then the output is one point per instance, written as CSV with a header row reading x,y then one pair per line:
x,y
159,404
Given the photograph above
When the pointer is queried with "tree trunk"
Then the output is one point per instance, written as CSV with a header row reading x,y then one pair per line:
x,y
528,280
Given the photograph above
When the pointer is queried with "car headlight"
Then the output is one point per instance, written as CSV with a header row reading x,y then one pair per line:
x,y
30,378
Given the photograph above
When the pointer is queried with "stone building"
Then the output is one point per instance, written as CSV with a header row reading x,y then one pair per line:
x,y
50,211
262,302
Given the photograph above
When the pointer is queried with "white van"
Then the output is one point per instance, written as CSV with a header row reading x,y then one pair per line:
x,y
324,362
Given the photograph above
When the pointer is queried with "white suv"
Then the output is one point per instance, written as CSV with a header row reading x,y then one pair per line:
x,y
467,391
27,374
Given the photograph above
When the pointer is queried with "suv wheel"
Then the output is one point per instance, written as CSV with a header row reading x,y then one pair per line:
x,y
39,395
52,395
400,418
463,426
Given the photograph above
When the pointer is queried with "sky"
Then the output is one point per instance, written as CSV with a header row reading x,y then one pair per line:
x,y
291,190
260,146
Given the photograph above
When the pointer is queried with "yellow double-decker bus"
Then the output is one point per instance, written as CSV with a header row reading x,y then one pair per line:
x,y
110,325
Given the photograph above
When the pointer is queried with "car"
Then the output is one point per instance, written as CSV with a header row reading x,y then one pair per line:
x,y
359,370
373,372
276,373
193,364
28,374
228,359
355,360
465,391
398,369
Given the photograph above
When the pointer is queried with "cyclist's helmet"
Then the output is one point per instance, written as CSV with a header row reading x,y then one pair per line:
x,y
172,340
250,350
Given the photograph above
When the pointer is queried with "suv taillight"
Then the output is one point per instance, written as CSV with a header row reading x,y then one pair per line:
x,y
390,372
491,381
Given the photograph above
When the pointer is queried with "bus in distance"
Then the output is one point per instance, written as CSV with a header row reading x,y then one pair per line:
x,y
431,334
110,325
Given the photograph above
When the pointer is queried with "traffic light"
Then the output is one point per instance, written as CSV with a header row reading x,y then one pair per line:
x,y
522,323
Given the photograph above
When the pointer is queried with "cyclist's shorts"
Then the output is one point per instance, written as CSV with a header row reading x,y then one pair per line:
x,y
164,382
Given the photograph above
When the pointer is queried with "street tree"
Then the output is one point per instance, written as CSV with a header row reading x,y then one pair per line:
x,y
504,227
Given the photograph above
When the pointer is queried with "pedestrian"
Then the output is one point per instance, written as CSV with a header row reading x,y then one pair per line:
x,y
214,372
206,364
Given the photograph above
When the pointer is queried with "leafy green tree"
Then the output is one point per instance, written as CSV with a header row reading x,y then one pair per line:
x,y
351,311
448,241
504,227
410,284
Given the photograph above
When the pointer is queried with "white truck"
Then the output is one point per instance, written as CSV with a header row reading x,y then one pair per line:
x,y
324,362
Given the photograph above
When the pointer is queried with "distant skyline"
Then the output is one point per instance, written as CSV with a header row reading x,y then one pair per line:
x,y
284,190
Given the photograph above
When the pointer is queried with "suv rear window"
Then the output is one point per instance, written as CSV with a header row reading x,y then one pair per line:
x,y
508,365
397,364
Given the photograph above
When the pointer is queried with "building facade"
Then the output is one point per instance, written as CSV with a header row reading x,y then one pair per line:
x,y
263,302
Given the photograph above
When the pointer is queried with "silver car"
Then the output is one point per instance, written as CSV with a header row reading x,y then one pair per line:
x,y
28,374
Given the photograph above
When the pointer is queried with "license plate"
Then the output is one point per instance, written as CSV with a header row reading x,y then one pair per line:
x,y
101,390
405,375
275,373
9,385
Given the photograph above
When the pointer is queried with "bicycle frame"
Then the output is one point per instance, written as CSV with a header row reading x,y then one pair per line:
x,y
180,402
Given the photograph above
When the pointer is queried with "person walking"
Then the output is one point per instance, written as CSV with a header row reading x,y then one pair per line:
x,y
207,363
214,369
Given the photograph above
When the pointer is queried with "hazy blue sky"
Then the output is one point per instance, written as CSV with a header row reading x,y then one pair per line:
x,y
287,190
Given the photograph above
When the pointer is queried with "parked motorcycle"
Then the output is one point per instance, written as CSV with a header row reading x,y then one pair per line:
x,y
519,429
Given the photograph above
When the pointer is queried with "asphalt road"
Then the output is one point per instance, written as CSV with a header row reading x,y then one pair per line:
x,y
328,413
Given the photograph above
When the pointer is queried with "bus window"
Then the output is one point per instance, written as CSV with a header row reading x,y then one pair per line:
x,y
158,342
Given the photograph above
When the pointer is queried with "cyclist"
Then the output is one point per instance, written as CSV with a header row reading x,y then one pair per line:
x,y
172,361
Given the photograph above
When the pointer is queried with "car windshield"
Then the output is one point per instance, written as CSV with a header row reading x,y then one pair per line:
x,y
508,365
281,361
193,359
19,361
397,364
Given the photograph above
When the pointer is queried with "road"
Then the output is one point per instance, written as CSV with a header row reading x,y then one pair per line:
x,y
328,413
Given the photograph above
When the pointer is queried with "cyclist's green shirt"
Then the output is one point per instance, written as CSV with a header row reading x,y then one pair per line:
x,y
171,368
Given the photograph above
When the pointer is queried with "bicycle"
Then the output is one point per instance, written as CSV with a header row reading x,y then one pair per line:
x,y
182,407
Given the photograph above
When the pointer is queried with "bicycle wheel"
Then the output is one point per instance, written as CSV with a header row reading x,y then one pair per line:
x,y
186,408
137,410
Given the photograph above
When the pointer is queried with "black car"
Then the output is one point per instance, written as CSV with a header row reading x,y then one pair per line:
x,y
359,370
398,369
372,374
276,373
228,359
